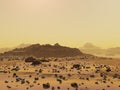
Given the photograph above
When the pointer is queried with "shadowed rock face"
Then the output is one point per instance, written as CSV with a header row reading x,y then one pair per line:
x,y
45,51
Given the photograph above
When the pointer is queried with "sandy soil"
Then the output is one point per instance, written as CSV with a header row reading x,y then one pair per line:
x,y
61,74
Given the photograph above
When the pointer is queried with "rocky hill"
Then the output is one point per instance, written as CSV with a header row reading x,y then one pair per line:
x,y
47,50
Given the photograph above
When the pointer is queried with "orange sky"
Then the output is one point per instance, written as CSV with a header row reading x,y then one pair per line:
x,y
68,22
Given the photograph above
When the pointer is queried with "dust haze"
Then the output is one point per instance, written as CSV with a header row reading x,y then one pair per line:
x,y
44,45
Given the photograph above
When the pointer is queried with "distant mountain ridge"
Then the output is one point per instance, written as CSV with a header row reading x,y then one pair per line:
x,y
94,50
47,50
2,50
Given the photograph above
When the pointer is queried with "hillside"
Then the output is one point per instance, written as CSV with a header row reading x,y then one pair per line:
x,y
47,50
94,50
2,50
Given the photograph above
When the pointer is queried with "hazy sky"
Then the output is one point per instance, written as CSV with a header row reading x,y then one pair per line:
x,y
68,22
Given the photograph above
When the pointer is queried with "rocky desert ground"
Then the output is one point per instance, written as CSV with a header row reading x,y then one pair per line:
x,y
69,73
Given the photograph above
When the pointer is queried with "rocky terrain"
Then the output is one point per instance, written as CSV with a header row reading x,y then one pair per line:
x,y
70,73
55,67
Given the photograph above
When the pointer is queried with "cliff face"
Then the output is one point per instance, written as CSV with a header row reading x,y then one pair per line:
x,y
38,50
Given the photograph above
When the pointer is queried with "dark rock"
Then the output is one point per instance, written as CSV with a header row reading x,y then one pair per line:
x,y
74,85
46,86
36,63
30,59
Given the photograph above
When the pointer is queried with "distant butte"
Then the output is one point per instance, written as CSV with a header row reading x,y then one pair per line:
x,y
47,50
